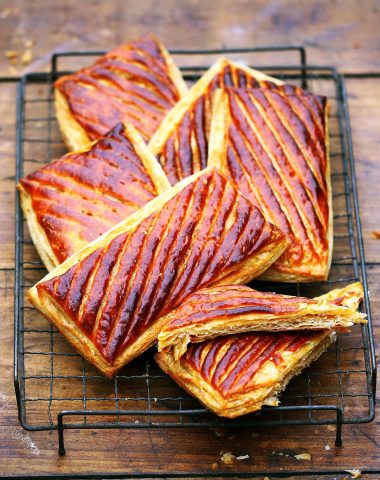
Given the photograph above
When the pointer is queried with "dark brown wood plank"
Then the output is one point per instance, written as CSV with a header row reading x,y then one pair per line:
x,y
341,33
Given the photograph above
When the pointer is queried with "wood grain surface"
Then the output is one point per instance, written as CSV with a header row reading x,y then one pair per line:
x,y
340,33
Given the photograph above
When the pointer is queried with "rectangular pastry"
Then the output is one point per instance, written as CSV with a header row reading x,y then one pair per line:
x,y
136,83
238,374
272,143
78,197
216,311
181,141
108,300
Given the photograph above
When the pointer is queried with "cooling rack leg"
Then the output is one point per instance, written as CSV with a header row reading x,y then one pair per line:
x,y
338,434
61,440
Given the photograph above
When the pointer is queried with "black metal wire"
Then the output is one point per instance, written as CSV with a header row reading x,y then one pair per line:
x,y
157,406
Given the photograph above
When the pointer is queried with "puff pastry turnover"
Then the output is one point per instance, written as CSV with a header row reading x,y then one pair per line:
x,y
272,143
75,199
181,141
238,374
215,311
109,299
136,83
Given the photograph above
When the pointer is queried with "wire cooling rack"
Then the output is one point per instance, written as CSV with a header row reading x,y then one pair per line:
x,y
57,389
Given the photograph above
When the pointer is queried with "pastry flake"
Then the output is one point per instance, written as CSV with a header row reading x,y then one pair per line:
x,y
78,197
181,141
216,311
238,374
272,143
108,300
137,83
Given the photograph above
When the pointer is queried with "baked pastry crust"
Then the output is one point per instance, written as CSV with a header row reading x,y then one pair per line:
x,y
272,143
109,298
217,311
75,199
137,83
181,141
238,374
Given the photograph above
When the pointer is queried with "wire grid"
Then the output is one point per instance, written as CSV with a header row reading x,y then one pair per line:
x,y
52,380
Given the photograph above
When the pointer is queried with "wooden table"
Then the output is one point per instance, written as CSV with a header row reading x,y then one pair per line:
x,y
340,33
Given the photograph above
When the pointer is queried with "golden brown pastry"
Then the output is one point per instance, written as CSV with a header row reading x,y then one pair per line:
x,y
272,143
181,141
238,374
215,311
136,83
108,300
75,199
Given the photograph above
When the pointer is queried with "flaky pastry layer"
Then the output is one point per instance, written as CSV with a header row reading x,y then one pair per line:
x,y
229,309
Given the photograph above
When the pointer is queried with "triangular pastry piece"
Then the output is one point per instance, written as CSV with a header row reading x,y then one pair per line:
x,y
238,374
181,141
273,145
215,311
136,83
109,299
75,199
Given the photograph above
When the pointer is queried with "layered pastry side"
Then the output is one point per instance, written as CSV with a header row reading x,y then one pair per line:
x,y
76,198
110,298
181,141
236,374
216,311
137,83
272,144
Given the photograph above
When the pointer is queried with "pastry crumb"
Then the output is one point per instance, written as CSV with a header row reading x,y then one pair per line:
x,y
10,54
227,458
376,234
27,57
242,457
355,473
303,456
327,447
